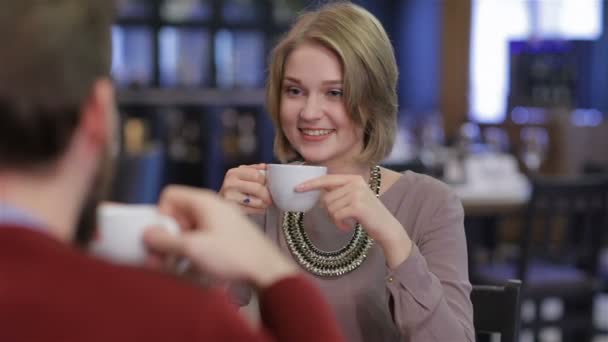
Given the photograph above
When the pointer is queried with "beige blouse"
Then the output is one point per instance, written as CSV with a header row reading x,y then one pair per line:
x,y
427,297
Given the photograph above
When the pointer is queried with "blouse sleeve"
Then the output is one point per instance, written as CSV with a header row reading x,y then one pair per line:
x,y
429,293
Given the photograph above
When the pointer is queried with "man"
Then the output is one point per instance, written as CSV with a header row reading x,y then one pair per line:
x,y
56,128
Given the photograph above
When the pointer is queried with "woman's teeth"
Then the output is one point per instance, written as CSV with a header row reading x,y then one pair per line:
x,y
317,132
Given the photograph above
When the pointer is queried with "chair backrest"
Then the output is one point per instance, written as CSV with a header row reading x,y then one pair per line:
x,y
565,223
496,310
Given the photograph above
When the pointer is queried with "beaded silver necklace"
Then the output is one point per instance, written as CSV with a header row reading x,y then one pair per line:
x,y
333,263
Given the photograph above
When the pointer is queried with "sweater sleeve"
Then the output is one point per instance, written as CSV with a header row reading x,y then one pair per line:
x,y
294,310
429,293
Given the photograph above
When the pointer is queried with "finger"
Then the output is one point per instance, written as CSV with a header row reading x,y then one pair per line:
x,y
255,211
260,166
252,173
332,196
184,224
338,207
176,199
159,241
154,261
256,190
186,204
343,218
326,182
253,202
196,249
337,204
245,200
157,262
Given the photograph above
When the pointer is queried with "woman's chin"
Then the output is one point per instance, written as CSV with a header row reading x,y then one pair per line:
x,y
314,161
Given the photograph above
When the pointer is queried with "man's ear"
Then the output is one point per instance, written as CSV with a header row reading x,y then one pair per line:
x,y
98,115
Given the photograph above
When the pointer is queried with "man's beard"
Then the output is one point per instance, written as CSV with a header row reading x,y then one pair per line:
x,y
99,192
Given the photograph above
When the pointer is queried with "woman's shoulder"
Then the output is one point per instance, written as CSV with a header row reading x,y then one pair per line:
x,y
411,182
420,201
417,191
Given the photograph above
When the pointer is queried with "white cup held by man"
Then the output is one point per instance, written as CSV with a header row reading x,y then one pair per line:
x,y
120,229
282,180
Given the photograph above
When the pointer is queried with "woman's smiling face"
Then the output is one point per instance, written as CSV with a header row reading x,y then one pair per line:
x,y
313,112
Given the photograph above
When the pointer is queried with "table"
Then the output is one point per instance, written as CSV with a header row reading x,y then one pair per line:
x,y
493,199
485,204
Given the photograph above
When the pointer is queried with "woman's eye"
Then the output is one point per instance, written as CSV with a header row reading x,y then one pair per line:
x,y
335,93
293,91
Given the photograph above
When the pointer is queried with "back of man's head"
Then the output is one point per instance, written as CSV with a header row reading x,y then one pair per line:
x,y
52,52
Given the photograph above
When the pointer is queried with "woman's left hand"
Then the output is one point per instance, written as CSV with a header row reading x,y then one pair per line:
x,y
348,198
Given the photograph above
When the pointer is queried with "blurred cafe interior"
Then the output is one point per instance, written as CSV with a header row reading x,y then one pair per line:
x,y
504,100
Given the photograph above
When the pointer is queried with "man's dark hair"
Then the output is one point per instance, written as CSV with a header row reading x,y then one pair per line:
x,y
52,52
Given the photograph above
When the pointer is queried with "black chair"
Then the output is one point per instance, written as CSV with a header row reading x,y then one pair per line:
x,y
599,169
496,310
558,253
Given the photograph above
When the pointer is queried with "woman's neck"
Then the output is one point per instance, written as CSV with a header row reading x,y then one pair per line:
x,y
346,169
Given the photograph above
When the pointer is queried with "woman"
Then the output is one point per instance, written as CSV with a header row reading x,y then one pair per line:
x,y
402,276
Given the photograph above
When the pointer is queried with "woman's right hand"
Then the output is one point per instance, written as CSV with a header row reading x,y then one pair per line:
x,y
246,186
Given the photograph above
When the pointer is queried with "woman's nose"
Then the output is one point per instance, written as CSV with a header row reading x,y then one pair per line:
x,y
312,109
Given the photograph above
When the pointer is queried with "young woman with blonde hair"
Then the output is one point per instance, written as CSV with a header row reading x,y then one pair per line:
x,y
402,274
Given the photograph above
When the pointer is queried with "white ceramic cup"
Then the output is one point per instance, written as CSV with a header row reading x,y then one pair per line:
x,y
282,179
120,229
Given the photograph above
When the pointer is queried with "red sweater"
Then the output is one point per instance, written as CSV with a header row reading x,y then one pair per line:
x,y
53,292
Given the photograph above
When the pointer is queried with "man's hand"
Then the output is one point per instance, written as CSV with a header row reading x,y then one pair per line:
x,y
217,238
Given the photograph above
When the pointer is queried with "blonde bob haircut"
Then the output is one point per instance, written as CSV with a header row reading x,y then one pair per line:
x,y
370,74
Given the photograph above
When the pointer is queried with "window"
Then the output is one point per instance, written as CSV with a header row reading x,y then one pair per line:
x,y
496,22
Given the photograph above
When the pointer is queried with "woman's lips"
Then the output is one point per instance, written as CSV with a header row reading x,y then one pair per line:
x,y
315,134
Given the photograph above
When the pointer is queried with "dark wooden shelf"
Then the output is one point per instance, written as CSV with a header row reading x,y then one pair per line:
x,y
204,105
134,21
201,24
195,97
191,23
244,26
